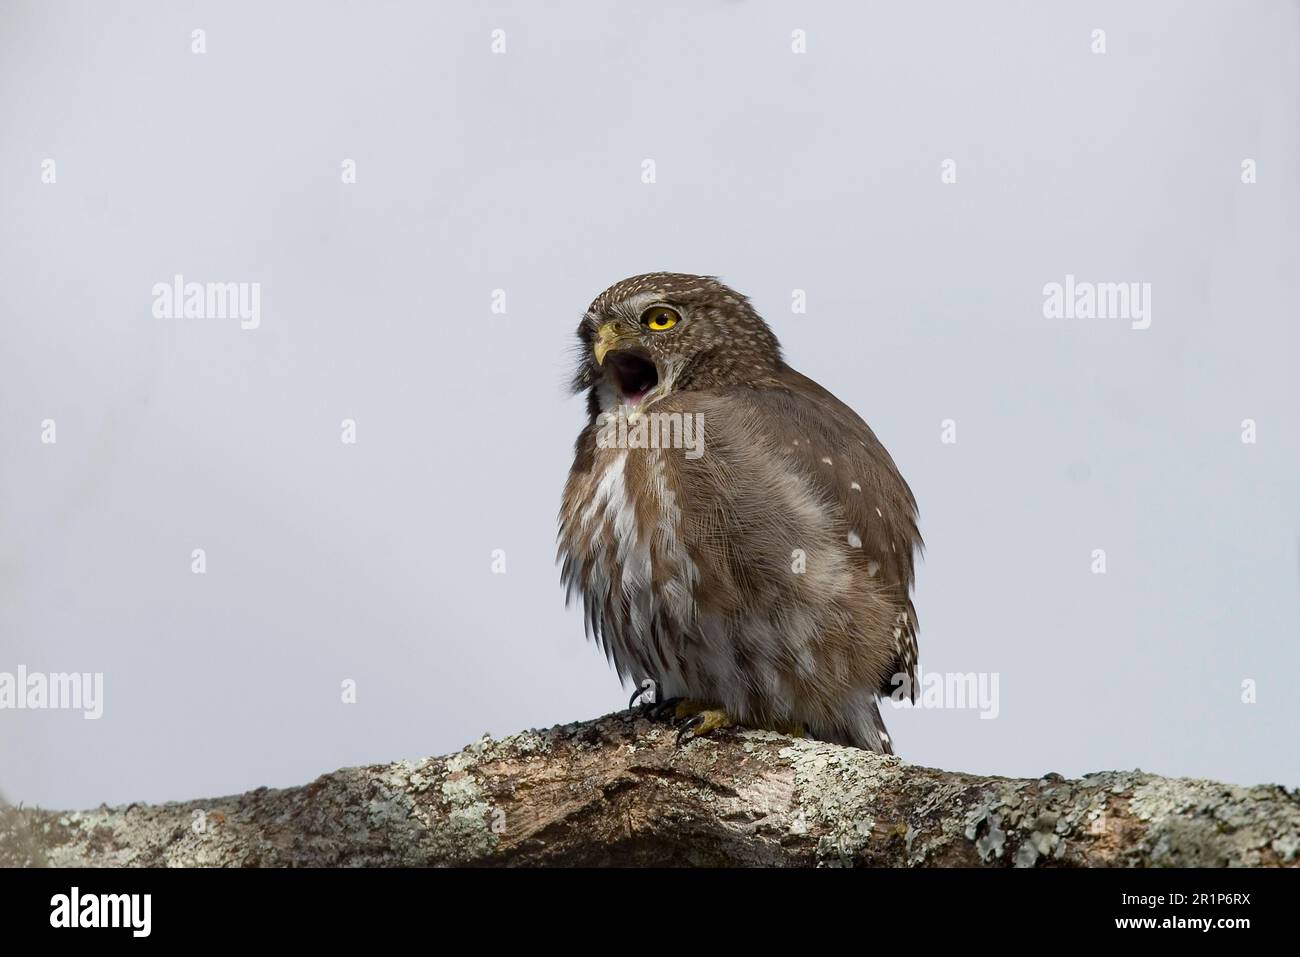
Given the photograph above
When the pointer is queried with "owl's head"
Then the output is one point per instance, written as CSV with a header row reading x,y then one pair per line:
x,y
658,333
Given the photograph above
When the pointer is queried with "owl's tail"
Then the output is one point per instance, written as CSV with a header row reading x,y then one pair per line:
x,y
870,734
877,737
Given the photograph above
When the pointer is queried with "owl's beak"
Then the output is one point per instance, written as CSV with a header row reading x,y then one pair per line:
x,y
632,372
608,338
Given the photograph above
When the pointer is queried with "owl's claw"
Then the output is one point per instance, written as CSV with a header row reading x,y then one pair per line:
x,y
702,721
656,709
647,687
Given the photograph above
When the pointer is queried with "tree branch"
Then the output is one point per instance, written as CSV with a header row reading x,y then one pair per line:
x,y
618,791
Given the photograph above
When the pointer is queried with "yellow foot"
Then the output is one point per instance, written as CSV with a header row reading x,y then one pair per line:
x,y
688,708
701,720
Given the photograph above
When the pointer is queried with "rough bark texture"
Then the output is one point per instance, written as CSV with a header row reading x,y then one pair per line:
x,y
618,791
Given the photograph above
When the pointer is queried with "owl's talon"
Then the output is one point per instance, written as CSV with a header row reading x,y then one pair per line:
x,y
648,686
656,709
703,722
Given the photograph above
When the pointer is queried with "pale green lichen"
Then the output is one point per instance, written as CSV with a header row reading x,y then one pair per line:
x,y
530,742
835,790
466,833
984,827
1202,823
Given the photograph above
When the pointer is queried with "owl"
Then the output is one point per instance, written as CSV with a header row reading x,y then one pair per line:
x,y
735,533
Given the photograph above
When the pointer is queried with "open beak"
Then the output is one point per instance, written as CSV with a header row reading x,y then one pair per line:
x,y
607,340
630,371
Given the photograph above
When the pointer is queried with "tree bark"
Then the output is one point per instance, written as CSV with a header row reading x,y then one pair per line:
x,y
619,791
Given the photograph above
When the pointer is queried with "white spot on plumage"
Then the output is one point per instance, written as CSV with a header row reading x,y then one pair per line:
x,y
827,460
855,486
604,489
855,541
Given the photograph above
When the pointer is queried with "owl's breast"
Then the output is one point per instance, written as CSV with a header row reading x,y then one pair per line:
x,y
622,549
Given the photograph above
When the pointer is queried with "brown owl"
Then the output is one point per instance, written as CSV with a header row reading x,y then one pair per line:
x,y
736,533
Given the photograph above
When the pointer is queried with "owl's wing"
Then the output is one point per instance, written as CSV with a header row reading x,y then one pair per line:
x,y
841,457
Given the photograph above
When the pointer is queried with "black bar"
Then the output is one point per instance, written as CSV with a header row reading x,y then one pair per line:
x,y
335,906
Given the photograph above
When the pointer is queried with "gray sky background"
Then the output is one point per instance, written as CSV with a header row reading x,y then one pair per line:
x,y
522,171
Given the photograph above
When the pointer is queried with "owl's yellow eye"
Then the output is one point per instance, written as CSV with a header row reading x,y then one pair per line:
x,y
660,318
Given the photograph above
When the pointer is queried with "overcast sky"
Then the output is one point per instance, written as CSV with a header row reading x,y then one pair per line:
x,y
372,561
